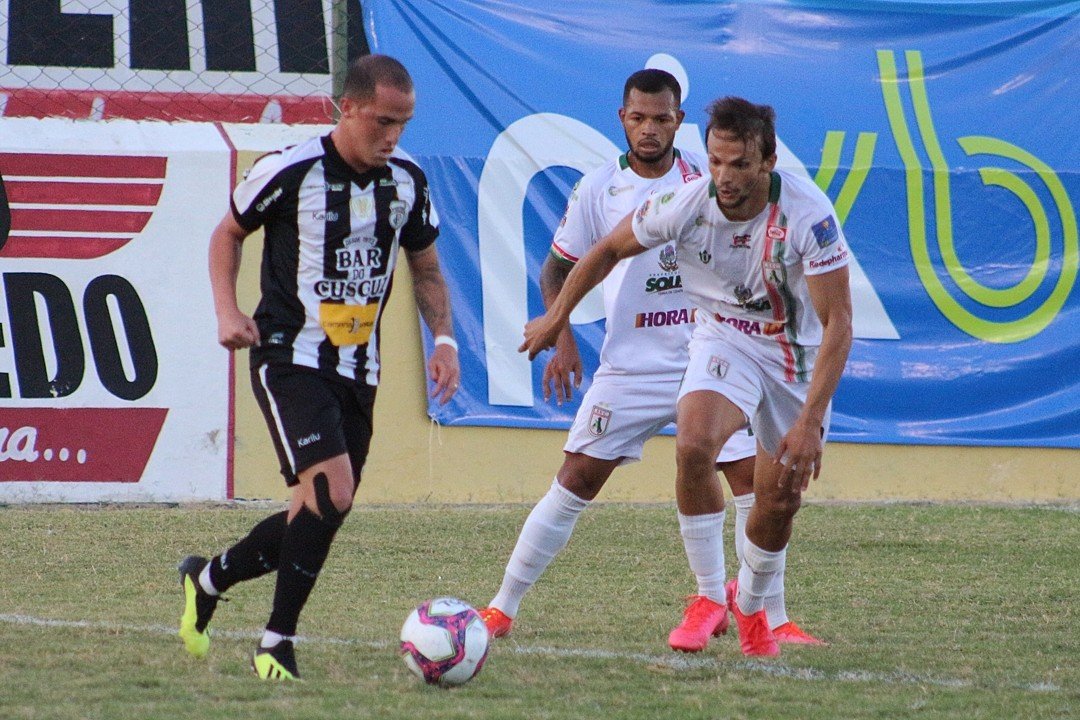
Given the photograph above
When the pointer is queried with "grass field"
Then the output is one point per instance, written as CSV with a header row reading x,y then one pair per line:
x,y
931,611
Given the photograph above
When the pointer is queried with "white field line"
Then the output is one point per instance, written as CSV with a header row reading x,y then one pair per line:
x,y
672,661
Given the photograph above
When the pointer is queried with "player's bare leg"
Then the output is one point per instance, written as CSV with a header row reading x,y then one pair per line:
x,y
545,533
705,422
740,477
768,529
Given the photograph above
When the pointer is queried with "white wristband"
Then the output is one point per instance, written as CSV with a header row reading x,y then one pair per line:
x,y
446,340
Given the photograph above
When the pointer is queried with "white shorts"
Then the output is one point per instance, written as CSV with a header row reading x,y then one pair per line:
x,y
618,414
740,371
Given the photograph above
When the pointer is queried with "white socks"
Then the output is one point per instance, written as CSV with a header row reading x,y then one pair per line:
x,y
703,538
775,604
756,576
271,639
544,534
205,582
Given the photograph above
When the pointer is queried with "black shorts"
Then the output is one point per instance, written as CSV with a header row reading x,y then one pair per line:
x,y
313,416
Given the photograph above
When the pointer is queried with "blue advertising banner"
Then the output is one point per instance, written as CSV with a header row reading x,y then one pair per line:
x,y
945,134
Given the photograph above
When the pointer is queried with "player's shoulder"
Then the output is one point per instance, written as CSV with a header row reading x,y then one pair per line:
x,y
800,197
406,169
274,163
601,176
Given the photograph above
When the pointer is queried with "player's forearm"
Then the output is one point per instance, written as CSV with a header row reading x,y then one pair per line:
x,y
586,274
829,366
224,258
431,294
553,275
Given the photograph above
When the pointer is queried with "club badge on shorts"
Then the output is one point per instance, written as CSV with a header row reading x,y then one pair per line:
x,y
598,421
718,367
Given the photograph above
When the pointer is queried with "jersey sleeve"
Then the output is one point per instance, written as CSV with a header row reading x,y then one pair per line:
x,y
662,217
824,247
422,226
256,198
577,231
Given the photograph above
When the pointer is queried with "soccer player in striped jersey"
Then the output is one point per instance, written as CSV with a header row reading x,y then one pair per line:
x,y
334,210
765,264
634,390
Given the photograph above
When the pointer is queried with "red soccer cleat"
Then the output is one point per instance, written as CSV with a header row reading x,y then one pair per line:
x,y
703,618
498,623
755,637
791,634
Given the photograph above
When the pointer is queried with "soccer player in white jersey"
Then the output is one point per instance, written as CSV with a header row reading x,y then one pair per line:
x,y
335,211
634,390
765,263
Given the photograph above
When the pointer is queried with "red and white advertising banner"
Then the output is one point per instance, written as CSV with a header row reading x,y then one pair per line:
x,y
112,384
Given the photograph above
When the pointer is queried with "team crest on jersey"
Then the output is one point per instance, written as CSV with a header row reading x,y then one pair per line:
x,y
362,207
598,420
773,271
669,261
398,211
705,256
741,241
718,367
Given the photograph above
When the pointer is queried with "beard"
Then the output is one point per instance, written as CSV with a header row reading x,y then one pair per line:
x,y
650,156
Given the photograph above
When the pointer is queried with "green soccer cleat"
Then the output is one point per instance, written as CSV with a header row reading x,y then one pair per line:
x,y
275,663
199,607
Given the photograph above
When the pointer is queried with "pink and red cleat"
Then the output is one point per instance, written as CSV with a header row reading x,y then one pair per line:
x,y
498,623
702,620
791,634
755,637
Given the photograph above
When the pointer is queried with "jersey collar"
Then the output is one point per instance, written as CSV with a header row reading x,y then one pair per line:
x,y
335,162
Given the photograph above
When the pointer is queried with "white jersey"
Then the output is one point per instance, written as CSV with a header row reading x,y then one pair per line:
x,y
649,319
749,278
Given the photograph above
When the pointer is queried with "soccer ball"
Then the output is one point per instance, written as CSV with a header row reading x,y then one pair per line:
x,y
444,642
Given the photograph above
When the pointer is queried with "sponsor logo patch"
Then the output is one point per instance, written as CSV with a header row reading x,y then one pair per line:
x,y
826,232
741,241
831,260
644,209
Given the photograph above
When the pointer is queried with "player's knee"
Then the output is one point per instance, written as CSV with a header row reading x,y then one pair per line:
x,y
693,450
333,500
781,505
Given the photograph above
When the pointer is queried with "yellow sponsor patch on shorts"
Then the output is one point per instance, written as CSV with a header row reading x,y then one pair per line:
x,y
347,324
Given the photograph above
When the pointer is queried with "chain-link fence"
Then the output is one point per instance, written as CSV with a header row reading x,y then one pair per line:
x,y
222,60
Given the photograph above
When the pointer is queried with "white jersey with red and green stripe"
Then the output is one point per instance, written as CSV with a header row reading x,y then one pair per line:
x,y
649,318
748,279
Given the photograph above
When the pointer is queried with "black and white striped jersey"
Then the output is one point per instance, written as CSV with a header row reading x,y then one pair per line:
x,y
332,239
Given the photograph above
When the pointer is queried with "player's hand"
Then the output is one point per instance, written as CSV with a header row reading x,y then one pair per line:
x,y
800,453
563,370
541,334
236,330
445,373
